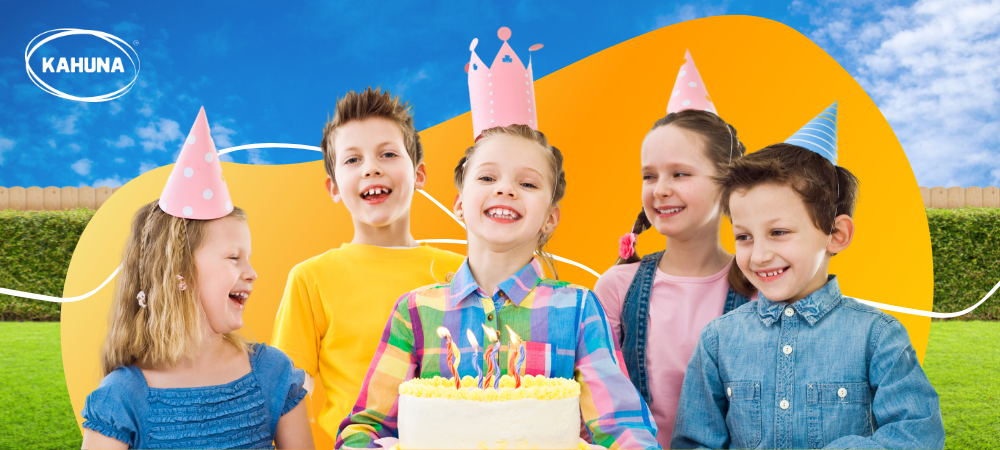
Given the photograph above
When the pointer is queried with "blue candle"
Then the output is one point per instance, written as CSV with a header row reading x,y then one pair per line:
x,y
476,360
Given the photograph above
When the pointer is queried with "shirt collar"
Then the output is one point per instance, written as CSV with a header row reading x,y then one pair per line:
x,y
812,308
516,287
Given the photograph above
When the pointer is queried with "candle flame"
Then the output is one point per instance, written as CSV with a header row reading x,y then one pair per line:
x,y
472,338
443,332
490,333
515,340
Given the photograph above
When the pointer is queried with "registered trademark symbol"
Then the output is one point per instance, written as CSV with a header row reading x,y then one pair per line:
x,y
135,42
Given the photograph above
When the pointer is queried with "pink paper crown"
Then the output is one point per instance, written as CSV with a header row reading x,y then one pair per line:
x,y
502,94
196,188
689,91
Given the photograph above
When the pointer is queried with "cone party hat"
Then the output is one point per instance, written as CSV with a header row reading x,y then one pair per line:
x,y
196,189
689,91
820,134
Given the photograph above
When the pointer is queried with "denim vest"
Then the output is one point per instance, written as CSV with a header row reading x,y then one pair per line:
x,y
635,321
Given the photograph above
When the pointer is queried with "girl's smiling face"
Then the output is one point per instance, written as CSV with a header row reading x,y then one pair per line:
x,y
678,195
225,277
778,247
506,198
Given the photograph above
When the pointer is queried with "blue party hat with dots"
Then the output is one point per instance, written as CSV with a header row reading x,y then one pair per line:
x,y
820,134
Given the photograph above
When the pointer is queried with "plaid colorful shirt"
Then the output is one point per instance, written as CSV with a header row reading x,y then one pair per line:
x,y
565,333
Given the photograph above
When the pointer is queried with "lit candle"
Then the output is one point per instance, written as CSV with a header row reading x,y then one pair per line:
x,y
491,353
513,351
476,361
454,356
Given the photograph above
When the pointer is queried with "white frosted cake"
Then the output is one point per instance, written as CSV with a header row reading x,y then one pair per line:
x,y
542,413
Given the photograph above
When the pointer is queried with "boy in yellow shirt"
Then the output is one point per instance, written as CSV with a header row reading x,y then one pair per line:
x,y
335,304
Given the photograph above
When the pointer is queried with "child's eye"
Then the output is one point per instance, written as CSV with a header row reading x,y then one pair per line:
x,y
486,178
647,177
529,185
779,232
390,154
742,237
352,160
681,174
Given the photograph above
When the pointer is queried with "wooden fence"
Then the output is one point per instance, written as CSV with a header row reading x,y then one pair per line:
x,y
957,197
53,198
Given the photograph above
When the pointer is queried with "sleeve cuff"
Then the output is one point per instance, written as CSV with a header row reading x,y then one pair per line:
x,y
108,430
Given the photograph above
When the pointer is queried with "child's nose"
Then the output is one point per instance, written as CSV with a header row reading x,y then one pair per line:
x,y
249,274
372,169
663,188
504,189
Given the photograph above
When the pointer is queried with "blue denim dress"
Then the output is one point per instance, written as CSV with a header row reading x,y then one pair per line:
x,y
241,414
822,372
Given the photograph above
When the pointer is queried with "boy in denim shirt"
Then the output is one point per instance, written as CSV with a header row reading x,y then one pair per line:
x,y
803,366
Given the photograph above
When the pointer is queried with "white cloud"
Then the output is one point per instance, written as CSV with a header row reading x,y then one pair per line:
x,y
116,108
122,142
153,136
257,156
119,160
5,145
689,11
146,110
65,125
111,182
51,142
74,146
82,167
220,135
408,79
146,167
932,69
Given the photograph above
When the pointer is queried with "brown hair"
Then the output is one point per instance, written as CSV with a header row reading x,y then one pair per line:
x,y
361,106
826,190
721,145
555,159
168,328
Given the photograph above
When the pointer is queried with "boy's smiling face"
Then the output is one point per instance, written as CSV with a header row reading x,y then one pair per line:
x,y
778,247
375,175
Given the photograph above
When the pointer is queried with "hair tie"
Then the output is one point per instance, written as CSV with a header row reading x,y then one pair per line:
x,y
626,245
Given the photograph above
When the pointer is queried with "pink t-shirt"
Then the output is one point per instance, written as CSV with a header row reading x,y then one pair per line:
x,y
679,307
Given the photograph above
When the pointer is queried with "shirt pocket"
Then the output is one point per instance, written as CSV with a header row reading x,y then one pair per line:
x,y
537,358
743,418
838,409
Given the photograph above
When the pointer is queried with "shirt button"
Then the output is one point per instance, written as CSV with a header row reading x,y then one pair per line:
x,y
784,404
729,391
789,312
842,392
787,350
489,317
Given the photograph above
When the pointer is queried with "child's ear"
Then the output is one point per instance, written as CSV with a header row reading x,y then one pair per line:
x,y
841,238
420,177
457,206
333,189
555,213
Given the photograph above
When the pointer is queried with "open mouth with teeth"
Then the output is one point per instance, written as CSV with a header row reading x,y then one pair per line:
x,y
666,212
239,297
502,215
376,194
772,274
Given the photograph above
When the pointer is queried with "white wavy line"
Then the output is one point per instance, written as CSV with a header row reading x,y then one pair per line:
x,y
915,312
59,299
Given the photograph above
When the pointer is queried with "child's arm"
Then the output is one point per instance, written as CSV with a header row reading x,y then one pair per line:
x,y
375,414
905,405
293,429
93,439
701,413
612,409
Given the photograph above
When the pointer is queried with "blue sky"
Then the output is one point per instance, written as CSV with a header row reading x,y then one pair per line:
x,y
270,72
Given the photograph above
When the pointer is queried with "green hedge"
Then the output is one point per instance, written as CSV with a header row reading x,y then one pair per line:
x,y
966,245
36,246
35,251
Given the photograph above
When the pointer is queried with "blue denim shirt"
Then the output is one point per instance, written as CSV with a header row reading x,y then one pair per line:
x,y
822,372
635,321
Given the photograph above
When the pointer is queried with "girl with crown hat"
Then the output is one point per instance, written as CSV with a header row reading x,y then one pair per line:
x,y
658,304
176,373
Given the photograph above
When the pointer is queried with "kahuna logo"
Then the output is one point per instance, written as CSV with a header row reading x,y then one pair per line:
x,y
82,65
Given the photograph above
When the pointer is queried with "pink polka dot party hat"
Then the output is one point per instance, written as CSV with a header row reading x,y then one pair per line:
x,y
503,93
689,91
196,189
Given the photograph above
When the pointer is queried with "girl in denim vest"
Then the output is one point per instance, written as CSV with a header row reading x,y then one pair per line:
x,y
657,306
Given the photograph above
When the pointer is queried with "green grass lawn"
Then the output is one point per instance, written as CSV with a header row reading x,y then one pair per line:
x,y
35,411
963,364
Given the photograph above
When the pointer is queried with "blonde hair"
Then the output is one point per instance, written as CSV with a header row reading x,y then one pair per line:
x,y
159,248
365,104
555,159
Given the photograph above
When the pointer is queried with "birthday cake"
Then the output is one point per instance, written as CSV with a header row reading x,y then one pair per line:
x,y
542,413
